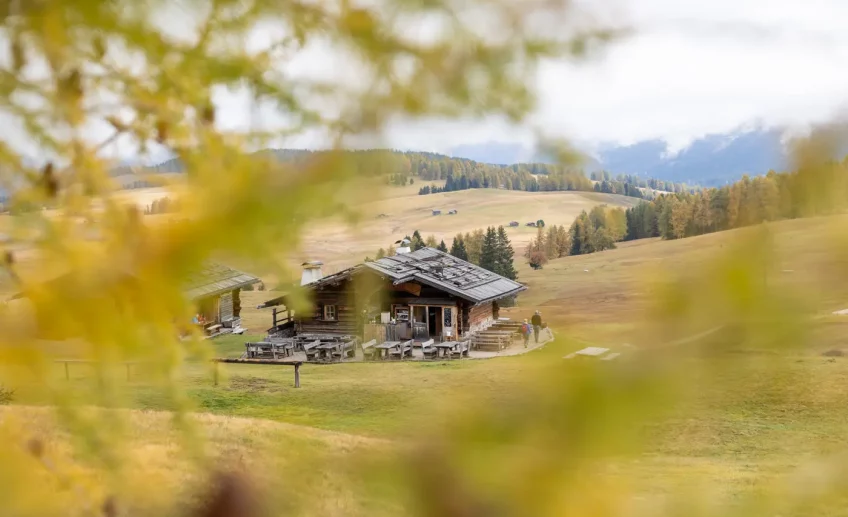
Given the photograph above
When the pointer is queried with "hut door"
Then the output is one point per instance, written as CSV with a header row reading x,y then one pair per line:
x,y
434,321
226,307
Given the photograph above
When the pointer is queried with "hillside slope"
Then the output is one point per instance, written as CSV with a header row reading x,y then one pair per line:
x,y
386,221
604,293
159,474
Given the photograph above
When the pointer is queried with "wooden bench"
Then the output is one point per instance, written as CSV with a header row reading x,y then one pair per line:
x,y
491,342
460,350
211,329
368,350
402,350
257,349
278,362
429,350
347,349
311,350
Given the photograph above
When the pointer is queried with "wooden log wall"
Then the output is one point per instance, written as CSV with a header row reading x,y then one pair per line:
x,y
225,306
479,315
345,322
237,303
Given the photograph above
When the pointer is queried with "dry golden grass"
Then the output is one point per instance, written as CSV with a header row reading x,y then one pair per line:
x,y
338,245
152,453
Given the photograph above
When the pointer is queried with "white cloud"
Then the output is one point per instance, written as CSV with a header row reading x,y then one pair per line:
x,y
692,68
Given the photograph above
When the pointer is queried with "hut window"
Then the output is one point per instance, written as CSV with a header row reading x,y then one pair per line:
x,y
330,312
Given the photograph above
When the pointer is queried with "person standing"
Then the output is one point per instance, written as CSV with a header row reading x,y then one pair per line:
x,y
525,332
536,320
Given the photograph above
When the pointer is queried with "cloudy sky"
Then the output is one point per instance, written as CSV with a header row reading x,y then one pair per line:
x,y
692,67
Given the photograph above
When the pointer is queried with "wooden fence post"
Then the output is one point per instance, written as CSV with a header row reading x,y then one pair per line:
x,y
297,376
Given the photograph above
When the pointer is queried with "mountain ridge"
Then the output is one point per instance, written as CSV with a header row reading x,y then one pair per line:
x,y
711,160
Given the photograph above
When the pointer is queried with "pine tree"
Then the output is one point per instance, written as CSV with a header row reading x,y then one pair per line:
x,y
442,247
390,252
430,242
458,248
580,235
417,241
505,256
489,250
381,253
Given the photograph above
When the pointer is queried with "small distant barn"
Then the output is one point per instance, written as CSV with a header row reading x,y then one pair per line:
x,y
437,212
214,290
531,224
452,212
513,224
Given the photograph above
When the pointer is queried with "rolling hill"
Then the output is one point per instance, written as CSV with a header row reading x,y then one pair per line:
x,y
404,211
735,421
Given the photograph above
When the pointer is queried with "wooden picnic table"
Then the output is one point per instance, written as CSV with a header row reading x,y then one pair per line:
x,y
383,348
444,348
325,350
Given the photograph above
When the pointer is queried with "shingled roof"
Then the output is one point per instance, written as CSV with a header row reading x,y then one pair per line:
x,y
210,280
437,269
431,267
216,279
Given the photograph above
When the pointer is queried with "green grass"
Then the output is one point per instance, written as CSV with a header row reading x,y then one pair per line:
x,y
740,419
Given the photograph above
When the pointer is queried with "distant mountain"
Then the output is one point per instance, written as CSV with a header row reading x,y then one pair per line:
x,y
712,160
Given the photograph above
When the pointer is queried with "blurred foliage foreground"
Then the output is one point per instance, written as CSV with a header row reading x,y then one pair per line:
x,y
146,74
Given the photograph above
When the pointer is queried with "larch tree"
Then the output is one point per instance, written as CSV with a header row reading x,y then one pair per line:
x,y
474,245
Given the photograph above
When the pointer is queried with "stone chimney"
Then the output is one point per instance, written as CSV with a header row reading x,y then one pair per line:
x,y
311,272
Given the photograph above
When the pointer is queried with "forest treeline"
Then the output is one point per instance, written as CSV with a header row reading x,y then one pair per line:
x,y
460,174
596,230
744,203
452,174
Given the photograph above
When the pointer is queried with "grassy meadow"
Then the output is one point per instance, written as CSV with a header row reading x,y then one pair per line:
x,y
338,244
740,423
341,241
